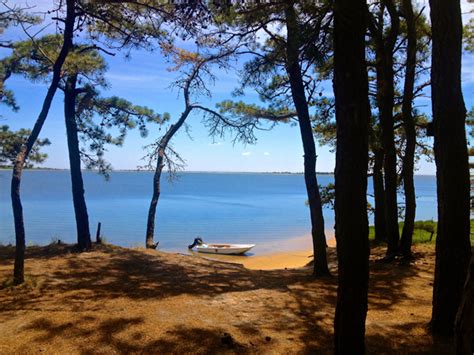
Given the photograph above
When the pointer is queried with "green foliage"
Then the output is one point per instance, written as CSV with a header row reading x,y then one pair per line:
x,y
470,124
468,36
11,142
6,96
34,59
10,15
127,23
425,231
97,117
381,17
266,71
13,15
324,125
470,136
252,111
243,120
328,195
426,226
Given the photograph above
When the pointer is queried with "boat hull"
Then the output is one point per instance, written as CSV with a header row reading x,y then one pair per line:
x,y
224,249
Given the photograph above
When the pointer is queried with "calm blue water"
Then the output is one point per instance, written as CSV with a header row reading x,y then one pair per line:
x,y
255,208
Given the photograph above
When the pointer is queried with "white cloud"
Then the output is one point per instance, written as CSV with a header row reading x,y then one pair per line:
x,y
246,154
266,153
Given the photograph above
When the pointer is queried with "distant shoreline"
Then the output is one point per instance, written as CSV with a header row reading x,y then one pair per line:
x,y
194,172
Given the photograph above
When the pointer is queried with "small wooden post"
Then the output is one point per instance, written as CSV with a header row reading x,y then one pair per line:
x,y
98,239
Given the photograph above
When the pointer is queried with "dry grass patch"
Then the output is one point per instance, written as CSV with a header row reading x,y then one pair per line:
x,y
117,300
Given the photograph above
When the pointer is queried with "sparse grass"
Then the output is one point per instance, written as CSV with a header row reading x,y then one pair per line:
x,y
425,231
55,239
31,282
138,246
103,239
118,300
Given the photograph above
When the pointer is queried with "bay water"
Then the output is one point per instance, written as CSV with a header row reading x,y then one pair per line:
x,y
265,209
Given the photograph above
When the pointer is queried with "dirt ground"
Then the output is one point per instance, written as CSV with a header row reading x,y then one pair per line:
x,y
117,300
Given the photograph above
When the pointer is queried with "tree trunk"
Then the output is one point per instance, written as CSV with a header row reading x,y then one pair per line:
x,y
379,214
453,249
150,228
410,133
80,207
390,168
309,148
164,141
98,238
18,272
352,120
464,326
385,95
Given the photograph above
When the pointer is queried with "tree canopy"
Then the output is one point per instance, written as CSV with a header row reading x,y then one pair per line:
x,y
12,142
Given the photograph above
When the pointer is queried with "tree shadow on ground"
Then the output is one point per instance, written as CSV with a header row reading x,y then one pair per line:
x,y
117,272
387,284
110,337
7,252
268,310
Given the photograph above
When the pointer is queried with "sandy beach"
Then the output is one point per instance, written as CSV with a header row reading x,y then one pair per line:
x,y
115,300
297,253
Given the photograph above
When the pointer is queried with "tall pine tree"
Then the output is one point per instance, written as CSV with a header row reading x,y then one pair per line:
x,y
453,249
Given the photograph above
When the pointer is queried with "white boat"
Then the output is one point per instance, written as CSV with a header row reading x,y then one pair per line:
x,y
218,248
227,249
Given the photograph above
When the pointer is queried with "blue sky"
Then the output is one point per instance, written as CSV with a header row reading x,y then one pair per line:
x,y
144,80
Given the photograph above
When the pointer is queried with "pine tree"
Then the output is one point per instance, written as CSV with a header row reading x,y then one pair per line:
x,y
280,72
352,120
453,249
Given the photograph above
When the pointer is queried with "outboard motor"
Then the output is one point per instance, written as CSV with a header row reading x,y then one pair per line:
x,y
197,241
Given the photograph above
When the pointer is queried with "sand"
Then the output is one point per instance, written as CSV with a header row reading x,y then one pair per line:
x,y
118,300
298,253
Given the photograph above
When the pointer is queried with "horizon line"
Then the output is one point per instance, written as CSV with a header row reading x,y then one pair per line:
x,y
194,171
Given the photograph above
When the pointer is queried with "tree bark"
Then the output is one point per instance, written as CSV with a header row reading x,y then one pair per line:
x,y
453,249
410,133
98,238
18,272
150,228
384,46
379,213
80,207
301,105
352,120
164,141
464,326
